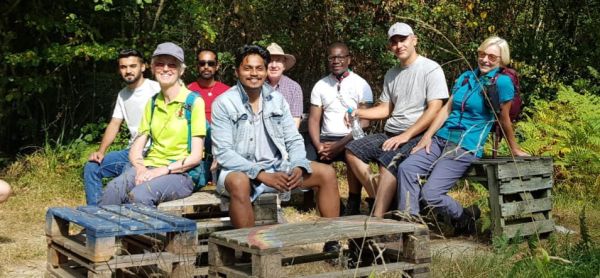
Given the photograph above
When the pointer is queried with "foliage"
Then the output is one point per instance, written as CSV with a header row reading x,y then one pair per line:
x,y
567,129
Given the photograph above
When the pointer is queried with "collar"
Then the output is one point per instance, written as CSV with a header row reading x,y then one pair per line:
x,y
341,76
266,92
181,96
490,74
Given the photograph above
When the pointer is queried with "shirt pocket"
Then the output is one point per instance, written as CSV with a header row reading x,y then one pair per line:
x,y
275,118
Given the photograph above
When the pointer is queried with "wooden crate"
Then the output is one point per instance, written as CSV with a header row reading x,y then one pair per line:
x,y
210,212
275,247
520,194
117,240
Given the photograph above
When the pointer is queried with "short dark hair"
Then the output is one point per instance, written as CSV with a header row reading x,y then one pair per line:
x,y
339,45
208,50
249,49
128,52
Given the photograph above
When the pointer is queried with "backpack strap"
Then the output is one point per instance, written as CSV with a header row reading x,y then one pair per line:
x,y
189,103
152,106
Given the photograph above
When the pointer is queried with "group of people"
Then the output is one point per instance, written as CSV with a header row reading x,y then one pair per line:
x,y
247,135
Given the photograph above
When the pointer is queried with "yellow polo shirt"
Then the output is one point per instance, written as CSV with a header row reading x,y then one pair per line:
x,y
169,128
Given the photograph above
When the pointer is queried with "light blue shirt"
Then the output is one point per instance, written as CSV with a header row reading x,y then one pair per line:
x,y
234,136
477,119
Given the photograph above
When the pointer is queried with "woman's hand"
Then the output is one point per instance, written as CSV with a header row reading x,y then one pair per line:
x,y
148,174
519,152
425,142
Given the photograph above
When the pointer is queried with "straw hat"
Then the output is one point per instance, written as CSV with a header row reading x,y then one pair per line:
x,y
276,50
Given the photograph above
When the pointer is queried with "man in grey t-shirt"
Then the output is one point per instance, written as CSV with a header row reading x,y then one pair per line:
x,y
413,93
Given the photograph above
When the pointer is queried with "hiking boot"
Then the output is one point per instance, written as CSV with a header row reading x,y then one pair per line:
x,y
466,224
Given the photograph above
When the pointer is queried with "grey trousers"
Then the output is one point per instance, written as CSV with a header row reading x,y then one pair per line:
x,y
445,164
123,190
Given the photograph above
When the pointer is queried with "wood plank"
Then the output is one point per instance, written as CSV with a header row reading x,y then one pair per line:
x,y
92,224
518,185
196,200
125,261
526,229
219,255
495,199
76,247
269,239
126,223
526,207
376,269
525,168
65,272
154,218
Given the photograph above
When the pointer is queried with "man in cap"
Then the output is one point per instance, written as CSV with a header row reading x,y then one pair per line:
x,y
413,93
129,106
290,89
330,99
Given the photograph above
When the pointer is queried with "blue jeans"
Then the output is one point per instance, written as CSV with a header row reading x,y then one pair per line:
x,y
113,164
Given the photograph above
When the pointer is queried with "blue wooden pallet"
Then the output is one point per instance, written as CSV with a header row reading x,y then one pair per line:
x,y
105,226
114,220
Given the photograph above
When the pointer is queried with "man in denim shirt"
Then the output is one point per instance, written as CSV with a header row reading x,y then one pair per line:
x,y
253,134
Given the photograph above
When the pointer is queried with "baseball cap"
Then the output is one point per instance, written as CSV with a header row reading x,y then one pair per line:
x,y
169,48
401,29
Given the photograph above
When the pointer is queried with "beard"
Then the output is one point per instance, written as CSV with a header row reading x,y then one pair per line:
x,y
135,79
207,75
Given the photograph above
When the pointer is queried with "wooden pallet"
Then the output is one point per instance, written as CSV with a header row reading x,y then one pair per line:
x,y
520,194
275,247
107,243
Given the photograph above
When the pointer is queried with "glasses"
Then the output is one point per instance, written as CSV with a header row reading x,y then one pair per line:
x,y
162,65
210,63
493,58
337,58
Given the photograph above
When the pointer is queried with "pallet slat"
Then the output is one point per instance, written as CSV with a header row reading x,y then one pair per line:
x,y
526,207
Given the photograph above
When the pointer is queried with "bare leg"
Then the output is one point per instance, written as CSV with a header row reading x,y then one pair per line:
x,y
386,191
362,173
323,179
240,207
4,191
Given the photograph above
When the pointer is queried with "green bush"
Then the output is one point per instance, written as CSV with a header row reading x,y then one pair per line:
x,y
568,129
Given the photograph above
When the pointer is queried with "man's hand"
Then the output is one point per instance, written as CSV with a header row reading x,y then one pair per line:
x,y
425,142
213,166
96,156
330,150
277,180
295,179
395,142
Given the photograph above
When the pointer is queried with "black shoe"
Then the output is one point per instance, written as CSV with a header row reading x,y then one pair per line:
x,y
353,205
358,258
333,247
466,224
371,202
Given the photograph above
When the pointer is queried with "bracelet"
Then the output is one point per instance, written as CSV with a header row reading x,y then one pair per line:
x,y
182,162
169,169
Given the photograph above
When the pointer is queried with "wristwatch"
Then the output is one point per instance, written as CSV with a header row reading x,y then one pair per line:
x,y
169,168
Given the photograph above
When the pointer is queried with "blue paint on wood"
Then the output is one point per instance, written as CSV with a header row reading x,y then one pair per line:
x,y
107,221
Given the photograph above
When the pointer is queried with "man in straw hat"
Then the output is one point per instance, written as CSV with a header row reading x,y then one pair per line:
x,y
289,88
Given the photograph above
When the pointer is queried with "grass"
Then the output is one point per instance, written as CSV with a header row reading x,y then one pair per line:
x,y
52,177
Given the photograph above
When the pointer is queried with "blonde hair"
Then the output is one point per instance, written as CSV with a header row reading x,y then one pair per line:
x,y
502,44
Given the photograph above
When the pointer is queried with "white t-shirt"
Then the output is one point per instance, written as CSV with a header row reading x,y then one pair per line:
x,y
409,89
130,104
353,90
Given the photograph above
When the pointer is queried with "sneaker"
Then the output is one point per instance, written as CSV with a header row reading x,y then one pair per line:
x,y
352,206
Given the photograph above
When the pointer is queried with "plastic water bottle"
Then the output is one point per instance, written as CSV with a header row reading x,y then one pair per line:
x,y
285,167
356,129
